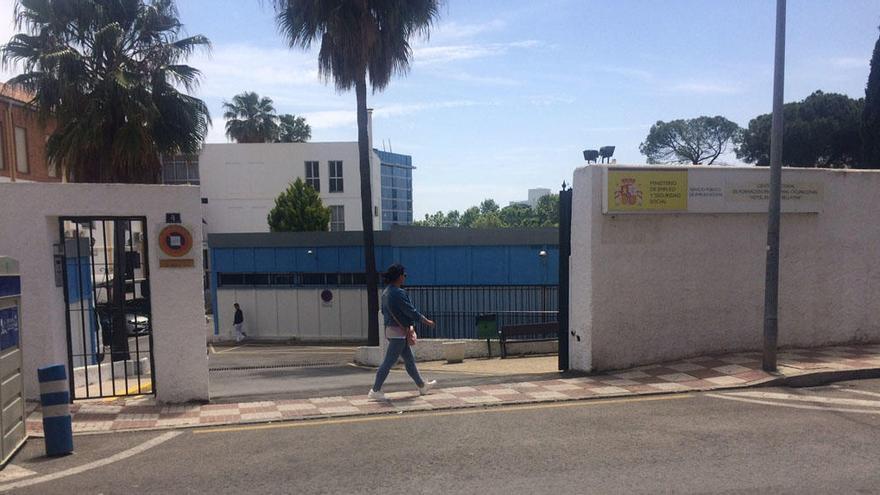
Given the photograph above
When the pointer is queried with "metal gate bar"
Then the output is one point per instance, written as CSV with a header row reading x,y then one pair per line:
x,y
112,311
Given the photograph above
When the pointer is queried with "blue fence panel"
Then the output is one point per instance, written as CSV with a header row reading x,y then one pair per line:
x,y
453,265
243,259
490,265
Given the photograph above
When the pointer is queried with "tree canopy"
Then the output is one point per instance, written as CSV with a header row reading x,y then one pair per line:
x,y
820,131
693,141
112,74
293,129
489,215
870,130
250,118
299,209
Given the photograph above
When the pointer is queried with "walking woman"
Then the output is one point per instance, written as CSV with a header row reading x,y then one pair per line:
x,y
399,314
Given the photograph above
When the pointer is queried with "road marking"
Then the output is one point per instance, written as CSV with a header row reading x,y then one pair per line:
x,y
93,465
795,406
806,398
13,472
862,392
391,417
211,349
230,349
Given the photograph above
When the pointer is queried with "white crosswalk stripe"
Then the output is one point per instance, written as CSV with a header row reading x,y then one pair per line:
x,y
807,398
809,402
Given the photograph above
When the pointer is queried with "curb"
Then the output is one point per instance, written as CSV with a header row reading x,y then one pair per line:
x,y
805,379
819,378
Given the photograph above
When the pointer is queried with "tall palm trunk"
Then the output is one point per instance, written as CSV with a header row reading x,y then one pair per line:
x,y
367,213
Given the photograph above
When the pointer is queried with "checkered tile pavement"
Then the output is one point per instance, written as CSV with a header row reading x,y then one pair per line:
x,y
701,373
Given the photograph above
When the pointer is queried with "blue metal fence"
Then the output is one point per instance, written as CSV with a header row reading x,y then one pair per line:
x,y
455,309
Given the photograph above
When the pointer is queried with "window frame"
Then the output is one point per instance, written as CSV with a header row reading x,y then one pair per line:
x,y
2,146
337,218
334,167
21,149
313,174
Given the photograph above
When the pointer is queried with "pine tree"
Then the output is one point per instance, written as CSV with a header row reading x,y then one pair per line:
x,y
871,115
299,209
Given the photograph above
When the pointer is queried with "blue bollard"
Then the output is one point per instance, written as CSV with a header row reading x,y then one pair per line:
x,y
55,405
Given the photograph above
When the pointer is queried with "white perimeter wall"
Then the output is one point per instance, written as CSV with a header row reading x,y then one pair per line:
x,y
241,181
273,314
28,229
649,288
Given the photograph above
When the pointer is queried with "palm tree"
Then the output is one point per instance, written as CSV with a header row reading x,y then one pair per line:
x,y
293,129
108,72
250,118
359,39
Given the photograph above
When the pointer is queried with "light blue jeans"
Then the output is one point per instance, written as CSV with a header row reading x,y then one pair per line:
x,y
397,348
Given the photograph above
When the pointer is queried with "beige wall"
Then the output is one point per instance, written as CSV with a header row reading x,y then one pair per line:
x,y
242,181
280,314
29,227
653,287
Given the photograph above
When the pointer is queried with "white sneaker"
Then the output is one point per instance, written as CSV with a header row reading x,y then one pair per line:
x,y
376,395
423,390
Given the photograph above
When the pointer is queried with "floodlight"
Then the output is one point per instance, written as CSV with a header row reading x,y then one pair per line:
x,y
591,156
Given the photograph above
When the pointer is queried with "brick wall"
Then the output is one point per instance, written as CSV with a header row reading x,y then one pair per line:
x,y
15,114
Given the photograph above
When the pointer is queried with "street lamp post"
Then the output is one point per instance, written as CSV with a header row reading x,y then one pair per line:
x,y
771,280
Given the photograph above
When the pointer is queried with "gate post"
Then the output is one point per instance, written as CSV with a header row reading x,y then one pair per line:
x,y
565,196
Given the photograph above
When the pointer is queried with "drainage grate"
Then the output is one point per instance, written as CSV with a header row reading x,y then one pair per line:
x,y
279,366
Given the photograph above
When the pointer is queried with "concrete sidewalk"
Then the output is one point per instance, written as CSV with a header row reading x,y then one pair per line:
x,y
696,374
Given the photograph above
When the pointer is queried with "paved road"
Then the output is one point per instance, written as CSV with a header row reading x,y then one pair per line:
x,y
260,372
698,443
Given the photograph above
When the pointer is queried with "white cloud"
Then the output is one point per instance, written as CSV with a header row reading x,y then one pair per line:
x,y
548,100
230,69
851,62
707,88
628,72
7,31
451,53
479,80
455,30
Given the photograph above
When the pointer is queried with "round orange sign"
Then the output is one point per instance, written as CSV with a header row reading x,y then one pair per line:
x,y
175,240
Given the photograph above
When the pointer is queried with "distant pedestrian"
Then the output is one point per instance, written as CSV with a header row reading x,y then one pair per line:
x,y
238,323
400,315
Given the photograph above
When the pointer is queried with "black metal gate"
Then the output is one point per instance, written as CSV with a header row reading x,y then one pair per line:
x,y
105,271
565,196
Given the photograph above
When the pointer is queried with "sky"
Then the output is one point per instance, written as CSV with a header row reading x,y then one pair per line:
x,y
505,94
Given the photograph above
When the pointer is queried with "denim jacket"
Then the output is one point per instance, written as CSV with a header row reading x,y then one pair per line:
x,y
396,302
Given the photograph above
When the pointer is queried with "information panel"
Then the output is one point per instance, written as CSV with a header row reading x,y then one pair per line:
x,y
707,190
647,190
8,328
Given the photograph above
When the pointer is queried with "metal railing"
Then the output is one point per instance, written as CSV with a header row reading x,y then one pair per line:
x,y
455,309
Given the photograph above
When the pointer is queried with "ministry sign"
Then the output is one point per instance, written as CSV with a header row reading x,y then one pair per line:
x,y
705,190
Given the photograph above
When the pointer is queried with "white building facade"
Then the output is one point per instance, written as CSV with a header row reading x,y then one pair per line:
x,y
239,182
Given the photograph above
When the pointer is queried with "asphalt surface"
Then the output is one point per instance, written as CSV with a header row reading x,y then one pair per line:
x,y
255,372
696,443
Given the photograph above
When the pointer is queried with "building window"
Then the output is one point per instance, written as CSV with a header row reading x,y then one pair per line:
x,y
337,218
180,169
2,148
335,176
51,164
313,177
21,156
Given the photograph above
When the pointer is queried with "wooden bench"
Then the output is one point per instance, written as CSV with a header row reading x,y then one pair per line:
x,y
534,332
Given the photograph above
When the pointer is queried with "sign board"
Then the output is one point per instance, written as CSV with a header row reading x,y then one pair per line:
x,y
716,190
175,243
9,329
646,190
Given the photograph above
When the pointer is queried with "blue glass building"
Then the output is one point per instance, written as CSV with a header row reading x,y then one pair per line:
x,y
397,205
